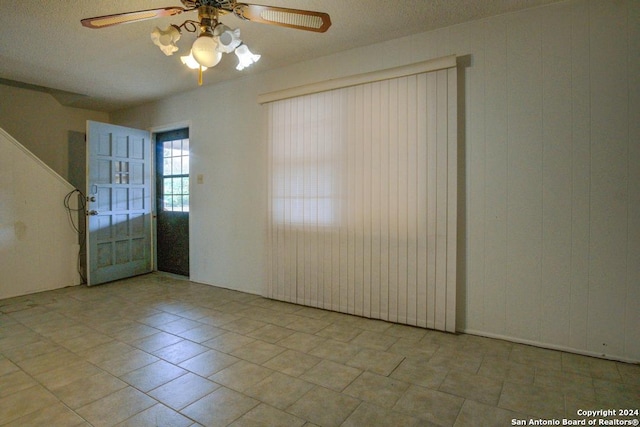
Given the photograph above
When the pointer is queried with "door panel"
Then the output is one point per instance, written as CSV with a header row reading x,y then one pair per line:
x,y
172,199
119,202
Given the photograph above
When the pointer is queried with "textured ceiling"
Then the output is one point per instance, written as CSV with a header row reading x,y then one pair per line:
x,y
43,44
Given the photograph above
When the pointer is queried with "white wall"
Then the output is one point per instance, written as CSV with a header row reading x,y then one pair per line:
x,y
38,246
42,125
228,210
550,215
553,208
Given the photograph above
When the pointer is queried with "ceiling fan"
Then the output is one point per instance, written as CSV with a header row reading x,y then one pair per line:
x,y
214,38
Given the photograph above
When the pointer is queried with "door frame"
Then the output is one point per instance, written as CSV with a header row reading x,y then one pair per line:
x,y
154,214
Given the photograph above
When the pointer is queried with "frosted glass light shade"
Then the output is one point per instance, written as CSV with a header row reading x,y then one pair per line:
x,y
245,57
228,39
204,51
191,62
166,39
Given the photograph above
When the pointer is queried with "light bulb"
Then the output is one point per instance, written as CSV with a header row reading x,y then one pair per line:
x,y
204,51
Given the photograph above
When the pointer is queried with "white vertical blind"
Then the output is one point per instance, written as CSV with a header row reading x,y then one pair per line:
x,y
362,199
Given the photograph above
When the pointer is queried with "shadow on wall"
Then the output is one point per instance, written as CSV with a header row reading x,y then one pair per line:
x,y
77,167
463,62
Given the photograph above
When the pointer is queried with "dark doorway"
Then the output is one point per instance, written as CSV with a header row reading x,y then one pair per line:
x,y
172,201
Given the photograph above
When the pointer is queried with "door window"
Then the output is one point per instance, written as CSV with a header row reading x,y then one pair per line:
x,y
175,175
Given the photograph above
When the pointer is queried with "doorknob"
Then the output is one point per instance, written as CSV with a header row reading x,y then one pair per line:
x,y
92,212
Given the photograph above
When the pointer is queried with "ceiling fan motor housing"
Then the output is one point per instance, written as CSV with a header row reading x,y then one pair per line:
x,y
227,5
208,16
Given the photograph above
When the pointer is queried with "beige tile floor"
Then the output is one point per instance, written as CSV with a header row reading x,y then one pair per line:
x,y
159,351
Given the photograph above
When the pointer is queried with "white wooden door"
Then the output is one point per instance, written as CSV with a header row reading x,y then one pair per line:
x,y
119,206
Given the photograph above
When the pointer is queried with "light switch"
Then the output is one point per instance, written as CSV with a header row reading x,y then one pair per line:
x,y
200,178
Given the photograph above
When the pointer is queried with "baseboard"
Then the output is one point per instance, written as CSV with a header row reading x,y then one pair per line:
x,y
550,346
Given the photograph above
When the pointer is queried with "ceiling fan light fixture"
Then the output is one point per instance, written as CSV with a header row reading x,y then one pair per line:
x,y
204,51
245,57
166,39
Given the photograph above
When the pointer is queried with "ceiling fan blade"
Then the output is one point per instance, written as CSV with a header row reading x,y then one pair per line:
x,y
123,18
284,17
